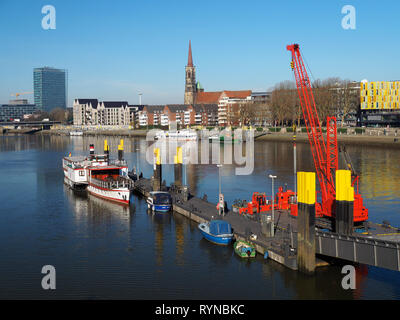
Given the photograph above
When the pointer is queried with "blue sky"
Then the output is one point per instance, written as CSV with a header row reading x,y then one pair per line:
x,y
113,49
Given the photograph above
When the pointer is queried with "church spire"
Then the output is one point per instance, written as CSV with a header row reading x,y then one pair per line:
x,y
190,84
190,59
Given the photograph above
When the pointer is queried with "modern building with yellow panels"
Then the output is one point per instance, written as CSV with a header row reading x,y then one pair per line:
x,y
380,95
379,104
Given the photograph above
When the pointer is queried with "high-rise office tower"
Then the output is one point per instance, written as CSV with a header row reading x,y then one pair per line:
x,y
50,88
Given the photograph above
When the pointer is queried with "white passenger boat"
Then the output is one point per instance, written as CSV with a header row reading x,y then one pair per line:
x,y
98,175
181,135
76,133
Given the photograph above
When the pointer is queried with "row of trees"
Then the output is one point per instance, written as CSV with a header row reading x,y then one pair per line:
x,y
57,114
333,97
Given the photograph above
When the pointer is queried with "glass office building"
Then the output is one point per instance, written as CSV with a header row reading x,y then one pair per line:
x,y
50,88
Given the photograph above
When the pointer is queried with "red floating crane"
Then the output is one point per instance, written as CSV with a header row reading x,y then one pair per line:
x,y
325,154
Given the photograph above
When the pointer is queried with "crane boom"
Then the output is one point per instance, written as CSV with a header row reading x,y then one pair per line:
x,y
20,94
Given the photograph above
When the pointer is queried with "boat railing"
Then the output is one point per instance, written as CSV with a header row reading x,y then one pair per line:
x,y
118,162
121,182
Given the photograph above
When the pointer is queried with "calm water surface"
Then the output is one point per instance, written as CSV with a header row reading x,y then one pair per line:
x,y
105,251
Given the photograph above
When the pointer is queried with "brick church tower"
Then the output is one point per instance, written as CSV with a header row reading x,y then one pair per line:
x,y
190,83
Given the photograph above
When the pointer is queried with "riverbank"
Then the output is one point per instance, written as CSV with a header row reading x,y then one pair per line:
x,y
360,139
382,141
119,133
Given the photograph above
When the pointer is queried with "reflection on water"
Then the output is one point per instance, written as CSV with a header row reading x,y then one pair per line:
x,y
105,250
95,210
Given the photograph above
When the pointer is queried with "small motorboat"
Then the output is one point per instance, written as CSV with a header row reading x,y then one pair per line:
x,y
159,201
244,249
217,231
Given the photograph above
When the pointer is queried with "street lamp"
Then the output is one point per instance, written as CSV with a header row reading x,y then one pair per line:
x,y
273,204
140,98
137,163
219,188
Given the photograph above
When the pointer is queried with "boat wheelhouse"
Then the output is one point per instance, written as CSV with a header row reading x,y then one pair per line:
x,y
159,201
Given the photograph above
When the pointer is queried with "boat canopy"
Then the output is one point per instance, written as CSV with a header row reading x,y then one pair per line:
x,y
161,197
218,227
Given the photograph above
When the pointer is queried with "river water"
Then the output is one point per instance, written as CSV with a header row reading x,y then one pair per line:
x,y
106,251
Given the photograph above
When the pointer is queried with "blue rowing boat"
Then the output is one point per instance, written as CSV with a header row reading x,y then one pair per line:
x,y
217,231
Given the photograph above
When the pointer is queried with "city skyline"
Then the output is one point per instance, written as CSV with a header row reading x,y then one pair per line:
x,y
134,47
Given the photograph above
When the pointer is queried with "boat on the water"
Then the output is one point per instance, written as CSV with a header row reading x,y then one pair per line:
x,y
100,176
159,201
76,133
217,231
179,135
244,249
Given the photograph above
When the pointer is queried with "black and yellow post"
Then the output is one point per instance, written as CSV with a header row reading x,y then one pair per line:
x,y
157,176
344,219
306,222
178,167
121,150
106,150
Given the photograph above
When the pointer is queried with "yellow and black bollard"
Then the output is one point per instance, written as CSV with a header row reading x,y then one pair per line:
x,y
306,222
178,167
106,150
121,150
344,220
157,176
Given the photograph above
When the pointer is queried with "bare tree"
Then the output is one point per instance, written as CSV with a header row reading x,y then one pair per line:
x,y
57,114
284,103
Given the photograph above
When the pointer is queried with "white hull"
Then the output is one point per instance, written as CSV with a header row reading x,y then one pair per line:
x,y
120,195
74,185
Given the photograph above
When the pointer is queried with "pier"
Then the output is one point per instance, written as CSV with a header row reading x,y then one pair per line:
x,y
295,241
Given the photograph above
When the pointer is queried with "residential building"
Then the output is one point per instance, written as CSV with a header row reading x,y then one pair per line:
x,y
85,112
206,114
261,97
50,88
230,107
151,115
92,112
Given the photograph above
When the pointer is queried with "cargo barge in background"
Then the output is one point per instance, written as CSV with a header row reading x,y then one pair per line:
x,y
100,176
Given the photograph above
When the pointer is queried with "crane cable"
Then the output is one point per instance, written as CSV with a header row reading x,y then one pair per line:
x,y
309,69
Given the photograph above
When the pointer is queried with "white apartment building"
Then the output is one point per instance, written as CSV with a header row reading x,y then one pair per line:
x,y
227,100
91,112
